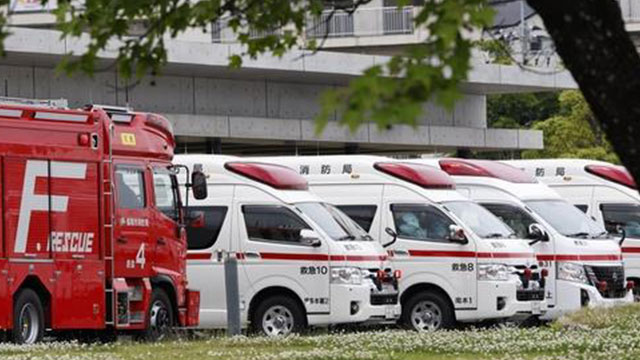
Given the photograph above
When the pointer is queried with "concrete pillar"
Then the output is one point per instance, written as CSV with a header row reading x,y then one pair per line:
x,y
214,146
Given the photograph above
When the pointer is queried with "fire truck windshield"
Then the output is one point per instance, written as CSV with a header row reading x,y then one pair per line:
x,y
333,221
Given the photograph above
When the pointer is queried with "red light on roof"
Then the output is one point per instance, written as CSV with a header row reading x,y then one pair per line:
x,y
276,176
616,174
421,175
486,168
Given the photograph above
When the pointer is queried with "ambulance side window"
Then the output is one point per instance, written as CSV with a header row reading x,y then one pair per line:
x,y
514,216
625,215
204,237
583,208
130,188
421,222
273,223
164,190
361,214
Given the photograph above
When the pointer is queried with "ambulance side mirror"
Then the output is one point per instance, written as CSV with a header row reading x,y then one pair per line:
x,y
199,185
537,234
310,237
394,236
623,233
457,235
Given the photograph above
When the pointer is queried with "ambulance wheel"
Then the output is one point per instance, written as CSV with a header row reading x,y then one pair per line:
x,y
636,291
278,316
28,318
160,317
427,311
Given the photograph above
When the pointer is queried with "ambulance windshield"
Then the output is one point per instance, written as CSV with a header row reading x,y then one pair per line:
x,y
480,220
334,222
567,219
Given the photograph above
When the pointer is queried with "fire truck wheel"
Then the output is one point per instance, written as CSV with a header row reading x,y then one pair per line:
x,y
427,311
278,316
28,318
160,317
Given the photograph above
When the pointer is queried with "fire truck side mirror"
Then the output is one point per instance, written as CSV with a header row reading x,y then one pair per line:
x,y
199,185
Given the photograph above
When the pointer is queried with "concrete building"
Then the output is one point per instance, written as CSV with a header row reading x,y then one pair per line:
x,y
269,105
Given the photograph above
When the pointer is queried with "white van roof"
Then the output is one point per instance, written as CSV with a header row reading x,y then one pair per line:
x,y
526,190
578,172
218,172
361,169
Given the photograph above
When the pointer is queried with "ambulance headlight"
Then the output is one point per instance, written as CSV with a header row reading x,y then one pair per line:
x,y
346,275
493,272
572,272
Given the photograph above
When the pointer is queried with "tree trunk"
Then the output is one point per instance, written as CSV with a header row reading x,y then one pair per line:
x,y
591,39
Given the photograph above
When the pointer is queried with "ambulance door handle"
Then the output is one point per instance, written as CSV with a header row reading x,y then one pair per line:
x,y
122,240
252,255
401,252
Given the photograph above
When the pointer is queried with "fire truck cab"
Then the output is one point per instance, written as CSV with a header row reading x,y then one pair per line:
x,y
459,262
605,192
585,267
92,236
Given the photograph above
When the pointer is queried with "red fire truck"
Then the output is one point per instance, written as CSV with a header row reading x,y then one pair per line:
x,y
92,235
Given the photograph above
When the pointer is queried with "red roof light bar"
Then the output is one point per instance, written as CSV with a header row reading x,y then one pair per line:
x,y
422,175
276,176
617,174
485,168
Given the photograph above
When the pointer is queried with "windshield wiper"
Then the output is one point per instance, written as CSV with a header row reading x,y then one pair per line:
x,y
583,235
495,236
347,237
600,234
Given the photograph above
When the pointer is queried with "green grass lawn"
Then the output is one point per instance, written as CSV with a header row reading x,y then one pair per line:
x,y
591,334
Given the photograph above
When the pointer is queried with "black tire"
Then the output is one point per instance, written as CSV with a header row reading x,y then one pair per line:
x,y
28,318
160,317
636,291
432,312
290,318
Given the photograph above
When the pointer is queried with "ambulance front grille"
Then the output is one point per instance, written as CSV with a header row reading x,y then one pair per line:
x,y
612,275
384,299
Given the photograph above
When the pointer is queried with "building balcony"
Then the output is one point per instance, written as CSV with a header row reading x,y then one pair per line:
x,y
367,26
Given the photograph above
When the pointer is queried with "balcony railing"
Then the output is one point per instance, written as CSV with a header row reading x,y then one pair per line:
x,y
364,22
331,24
389,20
397,21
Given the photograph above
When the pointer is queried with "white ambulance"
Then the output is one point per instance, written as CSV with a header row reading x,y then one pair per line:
x,y
301,262
459,262
585,267
605,192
